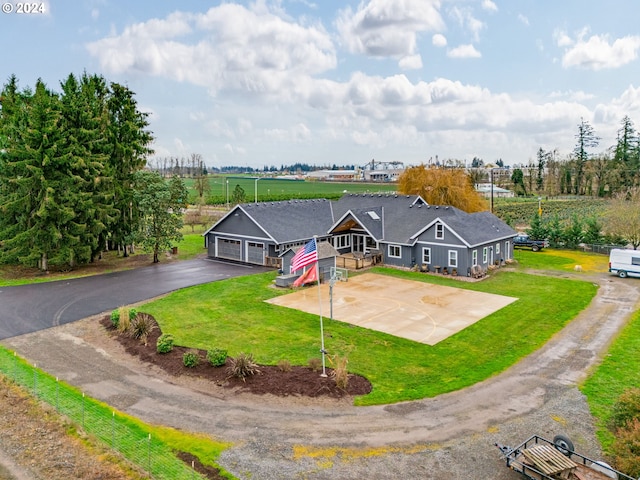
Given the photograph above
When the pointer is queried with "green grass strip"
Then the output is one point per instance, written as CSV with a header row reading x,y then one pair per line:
x,y
619,371
149,447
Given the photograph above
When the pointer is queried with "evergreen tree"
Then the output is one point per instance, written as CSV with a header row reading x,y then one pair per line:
x,y
37,195
573,234
555,232
517,177
586,138
627,152
84,124
593,231
128,147
537,230
238,195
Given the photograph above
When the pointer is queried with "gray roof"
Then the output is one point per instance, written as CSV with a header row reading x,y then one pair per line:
x,y
390,218
292,220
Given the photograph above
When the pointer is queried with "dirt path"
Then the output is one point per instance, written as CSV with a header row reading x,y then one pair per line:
x,y
450,436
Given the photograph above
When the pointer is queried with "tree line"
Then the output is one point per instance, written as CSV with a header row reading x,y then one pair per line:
x,y
71,172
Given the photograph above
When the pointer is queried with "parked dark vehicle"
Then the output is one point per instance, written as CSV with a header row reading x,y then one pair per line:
x,y
540,459
523,241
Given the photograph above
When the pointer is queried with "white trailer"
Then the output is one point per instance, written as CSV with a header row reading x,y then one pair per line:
x,y
624,263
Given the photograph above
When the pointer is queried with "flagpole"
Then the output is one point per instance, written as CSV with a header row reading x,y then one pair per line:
x,y
322,350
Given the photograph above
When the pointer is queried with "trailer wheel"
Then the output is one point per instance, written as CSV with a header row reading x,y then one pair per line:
x,y
563,444
622,274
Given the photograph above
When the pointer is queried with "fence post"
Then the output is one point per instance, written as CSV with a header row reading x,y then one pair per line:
x,y
149,459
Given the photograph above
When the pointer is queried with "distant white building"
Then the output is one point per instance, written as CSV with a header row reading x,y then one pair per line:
x,y
335,175
498,192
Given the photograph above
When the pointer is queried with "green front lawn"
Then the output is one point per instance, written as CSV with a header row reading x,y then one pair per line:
x,y
232,314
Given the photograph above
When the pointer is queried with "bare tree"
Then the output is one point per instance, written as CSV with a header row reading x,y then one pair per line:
x,y
623,217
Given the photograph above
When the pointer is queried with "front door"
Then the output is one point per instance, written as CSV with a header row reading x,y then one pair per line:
x,y
358,243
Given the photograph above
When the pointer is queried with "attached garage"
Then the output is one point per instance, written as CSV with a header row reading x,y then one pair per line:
x,y
255,253
229,249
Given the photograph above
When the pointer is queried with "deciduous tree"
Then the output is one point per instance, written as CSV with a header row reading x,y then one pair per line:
x,y
160,205
442,186
623,217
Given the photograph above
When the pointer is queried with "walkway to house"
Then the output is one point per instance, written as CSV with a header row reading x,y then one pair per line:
x,y
417,311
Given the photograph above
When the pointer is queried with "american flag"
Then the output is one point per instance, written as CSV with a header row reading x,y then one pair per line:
x,y
305,256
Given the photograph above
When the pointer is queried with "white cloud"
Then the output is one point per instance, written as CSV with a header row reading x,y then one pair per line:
x,y
237,49
464,51
577,96
598,52
523,19
294,134
410,62
388,28
612,112
439,40
561,38
489,5
464,17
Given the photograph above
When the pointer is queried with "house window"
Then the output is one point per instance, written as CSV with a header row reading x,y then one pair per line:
x,y
497,249
426,256
453,258
341,241
395,251
484,255
474,258
439,231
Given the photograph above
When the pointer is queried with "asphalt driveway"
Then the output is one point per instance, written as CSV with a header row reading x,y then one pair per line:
x,y
30,308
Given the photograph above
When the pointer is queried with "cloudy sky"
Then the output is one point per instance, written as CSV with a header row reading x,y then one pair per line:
x,y
271,82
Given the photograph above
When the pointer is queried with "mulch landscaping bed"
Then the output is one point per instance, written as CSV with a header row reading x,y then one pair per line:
x,y
298,381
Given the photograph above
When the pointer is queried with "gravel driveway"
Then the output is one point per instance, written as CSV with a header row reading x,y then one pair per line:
x,y
448,437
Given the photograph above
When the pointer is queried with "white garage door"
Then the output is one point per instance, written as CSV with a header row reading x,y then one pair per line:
x,y
255,253
227,248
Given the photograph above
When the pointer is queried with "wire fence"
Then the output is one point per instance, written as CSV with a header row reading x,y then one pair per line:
x,y
115,430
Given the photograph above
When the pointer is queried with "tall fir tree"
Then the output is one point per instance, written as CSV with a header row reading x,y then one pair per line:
x,y
128,147
84,124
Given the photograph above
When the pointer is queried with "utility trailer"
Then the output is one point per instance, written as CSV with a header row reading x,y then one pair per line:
x,y
541,459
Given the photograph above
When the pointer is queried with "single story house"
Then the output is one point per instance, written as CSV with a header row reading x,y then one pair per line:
x,y
403,229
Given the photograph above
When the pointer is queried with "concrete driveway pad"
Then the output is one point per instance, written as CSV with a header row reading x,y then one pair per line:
x,y
417,311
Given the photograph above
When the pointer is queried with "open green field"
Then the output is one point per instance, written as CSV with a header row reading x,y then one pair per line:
x,y
273,189
232,314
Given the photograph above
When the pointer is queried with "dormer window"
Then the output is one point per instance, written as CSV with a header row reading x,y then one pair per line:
x,y
439,231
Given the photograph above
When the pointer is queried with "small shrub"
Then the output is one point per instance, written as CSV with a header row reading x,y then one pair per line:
x,y
626,448
315,364
284,365
626,408
243,366
124,319
340,373
141,326
217,357
190,359
164,343
115,317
